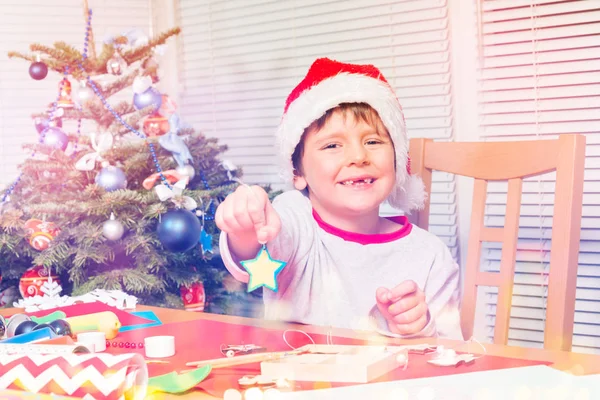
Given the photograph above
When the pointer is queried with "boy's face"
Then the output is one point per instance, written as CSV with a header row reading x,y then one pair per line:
x,y
347,165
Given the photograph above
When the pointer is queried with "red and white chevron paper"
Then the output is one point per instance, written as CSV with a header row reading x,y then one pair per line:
x,y
88,376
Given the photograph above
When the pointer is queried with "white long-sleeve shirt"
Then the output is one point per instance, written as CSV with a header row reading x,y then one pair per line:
x,y
332,275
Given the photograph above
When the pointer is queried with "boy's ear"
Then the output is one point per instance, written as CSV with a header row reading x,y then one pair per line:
x,y
299,182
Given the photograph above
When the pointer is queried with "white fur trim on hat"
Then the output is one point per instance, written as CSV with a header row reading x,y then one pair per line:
x,y
314,102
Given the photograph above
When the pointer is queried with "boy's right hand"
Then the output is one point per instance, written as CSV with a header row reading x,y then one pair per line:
x,y
247,215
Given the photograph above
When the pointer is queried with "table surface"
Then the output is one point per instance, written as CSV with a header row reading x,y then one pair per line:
x,y
575,363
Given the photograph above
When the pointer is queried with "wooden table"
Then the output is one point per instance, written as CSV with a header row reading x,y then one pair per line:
x,y
575,363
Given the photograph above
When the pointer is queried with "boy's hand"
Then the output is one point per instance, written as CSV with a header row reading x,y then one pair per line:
x,y
247,213
403,307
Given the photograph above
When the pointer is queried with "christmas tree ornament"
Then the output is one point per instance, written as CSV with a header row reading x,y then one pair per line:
x,y
168,106
175,144
206,242
38,70
33,279
111,178
64,99
41,233
61,327
179,230
187,170
84,93
193,297
175,194
116,64
156,125
113,229
171,175
42,123
150,97
55,137
100,143
263,270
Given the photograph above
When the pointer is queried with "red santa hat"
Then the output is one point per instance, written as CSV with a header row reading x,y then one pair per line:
x,y
329,83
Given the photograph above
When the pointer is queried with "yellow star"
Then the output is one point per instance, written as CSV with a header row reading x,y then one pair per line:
x,y
263,270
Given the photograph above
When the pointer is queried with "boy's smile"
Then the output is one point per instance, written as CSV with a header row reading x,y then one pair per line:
x,y
348,168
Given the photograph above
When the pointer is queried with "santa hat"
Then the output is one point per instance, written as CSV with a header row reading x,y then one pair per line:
x,y
329,83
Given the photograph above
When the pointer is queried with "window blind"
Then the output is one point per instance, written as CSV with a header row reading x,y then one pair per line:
x,y
240,60
540,77
23,22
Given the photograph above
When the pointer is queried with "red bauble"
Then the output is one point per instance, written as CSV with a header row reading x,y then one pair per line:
x,y
41,233
32,280
194,297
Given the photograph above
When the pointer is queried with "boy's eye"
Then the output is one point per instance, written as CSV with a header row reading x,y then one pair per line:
x,y
373,141
330,146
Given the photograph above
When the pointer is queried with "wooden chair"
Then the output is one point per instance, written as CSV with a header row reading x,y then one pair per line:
x,y
513,161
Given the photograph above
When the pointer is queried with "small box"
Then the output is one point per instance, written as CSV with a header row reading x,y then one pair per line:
x,y
335,363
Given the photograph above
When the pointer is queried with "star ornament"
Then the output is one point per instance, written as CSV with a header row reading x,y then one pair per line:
x,y
263,270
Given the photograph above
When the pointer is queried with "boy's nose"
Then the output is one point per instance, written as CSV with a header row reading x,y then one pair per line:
x,y
357,154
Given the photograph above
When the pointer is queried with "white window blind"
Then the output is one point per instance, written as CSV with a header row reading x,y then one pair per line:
x,y
540,77
242,58
23,22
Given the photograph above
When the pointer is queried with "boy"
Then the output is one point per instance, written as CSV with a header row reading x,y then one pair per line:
x,y
343,141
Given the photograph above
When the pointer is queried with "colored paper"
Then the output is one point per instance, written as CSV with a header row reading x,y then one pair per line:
x,y
49,318
33,336
76,310
89,376
149,315
178,383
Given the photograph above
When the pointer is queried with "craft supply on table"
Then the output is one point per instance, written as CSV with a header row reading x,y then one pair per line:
x,y
159,346
42,349
31,336
92,376
56,315
105,321
96,340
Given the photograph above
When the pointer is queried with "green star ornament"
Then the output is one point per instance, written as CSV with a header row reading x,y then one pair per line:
x,y
263,270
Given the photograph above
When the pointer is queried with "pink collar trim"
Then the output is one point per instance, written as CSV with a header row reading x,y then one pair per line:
x,y
405,229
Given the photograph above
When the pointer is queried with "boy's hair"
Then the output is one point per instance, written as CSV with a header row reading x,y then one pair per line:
x,y
360,111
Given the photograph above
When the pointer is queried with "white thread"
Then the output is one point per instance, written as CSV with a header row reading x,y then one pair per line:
x,y
299,331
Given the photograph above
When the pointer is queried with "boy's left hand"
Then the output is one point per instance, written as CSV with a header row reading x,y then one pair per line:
x,y
403,307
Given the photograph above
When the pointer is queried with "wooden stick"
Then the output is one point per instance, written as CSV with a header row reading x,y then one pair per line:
x,y
240,360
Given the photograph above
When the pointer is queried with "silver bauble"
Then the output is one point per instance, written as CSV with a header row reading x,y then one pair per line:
x,y
113,229
187,170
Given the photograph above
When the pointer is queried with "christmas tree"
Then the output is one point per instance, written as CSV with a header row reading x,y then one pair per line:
x,y
117,194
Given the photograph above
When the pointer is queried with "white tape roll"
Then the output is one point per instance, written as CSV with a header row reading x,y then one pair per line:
x,y
159,346
96,340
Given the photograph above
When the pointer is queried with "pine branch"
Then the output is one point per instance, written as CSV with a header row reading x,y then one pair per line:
x,y
120,84
141,52
136,281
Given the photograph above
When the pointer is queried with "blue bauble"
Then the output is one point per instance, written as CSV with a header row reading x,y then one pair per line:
x,y
56,138
150,97
179,230
111,179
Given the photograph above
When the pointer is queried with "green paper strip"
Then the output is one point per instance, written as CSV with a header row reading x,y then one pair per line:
x,y
50,317
178,383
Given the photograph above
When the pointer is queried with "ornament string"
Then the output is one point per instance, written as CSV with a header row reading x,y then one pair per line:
x,y
112,111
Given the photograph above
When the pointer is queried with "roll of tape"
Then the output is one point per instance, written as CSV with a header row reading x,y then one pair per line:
x,y
97,340
159,346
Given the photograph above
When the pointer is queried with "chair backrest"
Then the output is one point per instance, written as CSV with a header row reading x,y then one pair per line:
x,y
513,161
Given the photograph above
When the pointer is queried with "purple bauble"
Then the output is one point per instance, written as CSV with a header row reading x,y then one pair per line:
x,y
41,124
150,97
179,230
111,179
56,138
38,70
